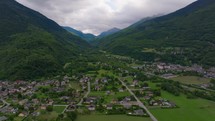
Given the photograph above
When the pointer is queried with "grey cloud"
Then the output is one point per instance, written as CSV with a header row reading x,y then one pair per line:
x,y
96,16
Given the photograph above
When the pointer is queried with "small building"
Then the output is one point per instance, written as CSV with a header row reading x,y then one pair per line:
x,y
109,107
92,108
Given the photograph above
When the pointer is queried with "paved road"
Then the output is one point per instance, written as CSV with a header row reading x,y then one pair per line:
x,y
80,103
140,103
86,95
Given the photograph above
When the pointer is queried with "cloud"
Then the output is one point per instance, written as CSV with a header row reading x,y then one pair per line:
x,y
96,16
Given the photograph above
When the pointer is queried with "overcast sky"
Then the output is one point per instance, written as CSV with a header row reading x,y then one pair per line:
x,y
96,16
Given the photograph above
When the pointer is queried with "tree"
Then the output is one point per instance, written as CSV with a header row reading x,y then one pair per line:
x,y
19,96
72,115
213,81
49,108
31,109
157,92
145,84
60,116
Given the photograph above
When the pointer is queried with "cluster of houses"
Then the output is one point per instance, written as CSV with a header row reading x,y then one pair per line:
x,y
100,84
3,118
164,68
125,104
83,83
138,112
117,105
163,103
207,73
28,95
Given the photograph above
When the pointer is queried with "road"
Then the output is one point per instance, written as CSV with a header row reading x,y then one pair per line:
x,y
86,95
5,103
140,103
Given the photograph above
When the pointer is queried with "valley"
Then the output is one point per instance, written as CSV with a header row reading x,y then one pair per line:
x,y
161,68
121,91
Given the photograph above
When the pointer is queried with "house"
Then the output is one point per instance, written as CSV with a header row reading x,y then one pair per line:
x,y
121,90
35,113
108,92
22,102
155,103
147,97
7,110
127,99
64,98
127,105
161,67
168,104
50,101
139,112
97,88
90,100
109,107
114,101
23,114
105,81
43,107
72,108
36,101
92,108
135,82
149,93
168,76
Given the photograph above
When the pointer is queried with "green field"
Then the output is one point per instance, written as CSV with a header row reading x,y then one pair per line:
x,y
101,72
109,98
59,109
153,85
191,80
111,118
74,85
190,109
47,116
18,119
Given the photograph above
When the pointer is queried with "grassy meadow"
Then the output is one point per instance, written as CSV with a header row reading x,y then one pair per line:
x,y
191,80
59,109
111,118
189,109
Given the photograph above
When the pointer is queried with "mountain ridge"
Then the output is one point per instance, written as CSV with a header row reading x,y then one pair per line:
x,y
86,36
108,32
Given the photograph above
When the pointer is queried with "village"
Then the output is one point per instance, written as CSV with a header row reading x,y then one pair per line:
x,y
109,90
106,95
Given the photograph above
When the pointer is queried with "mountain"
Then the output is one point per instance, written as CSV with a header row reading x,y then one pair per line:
x,y
109,32
31,45
88,37
92,39
185,37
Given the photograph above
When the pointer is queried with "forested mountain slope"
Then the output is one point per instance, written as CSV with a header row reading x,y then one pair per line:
x,y
31,45
185,36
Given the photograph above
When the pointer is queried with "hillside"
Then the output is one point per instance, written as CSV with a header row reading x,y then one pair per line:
x,y
31,45
87,37
185,36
